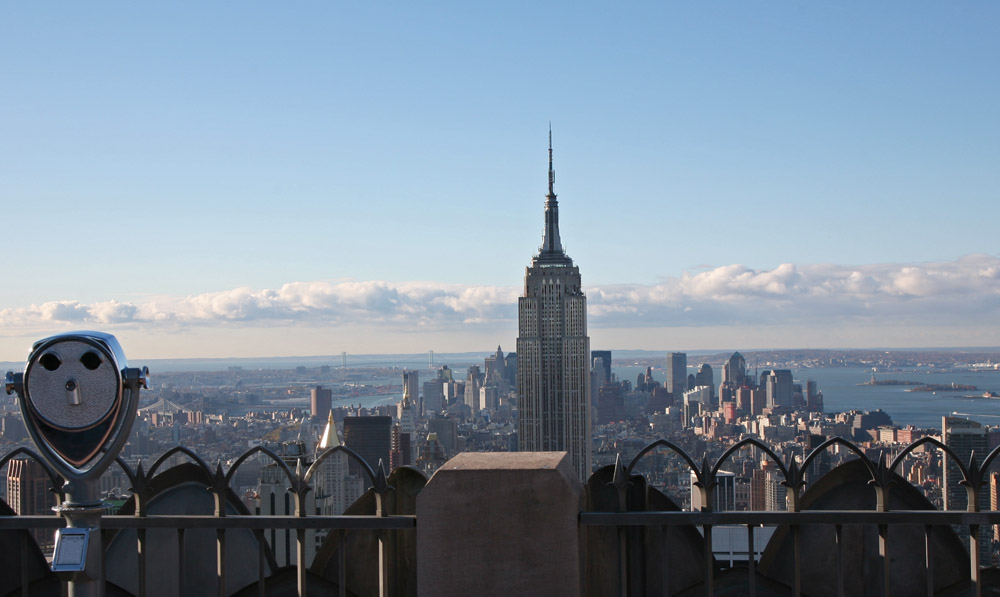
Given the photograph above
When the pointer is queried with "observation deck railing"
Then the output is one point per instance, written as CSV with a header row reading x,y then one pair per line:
x,y
627,516
221,522
616,526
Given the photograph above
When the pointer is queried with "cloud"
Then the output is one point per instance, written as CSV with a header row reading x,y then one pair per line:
x,y
64,311
896,294
941,293
367,302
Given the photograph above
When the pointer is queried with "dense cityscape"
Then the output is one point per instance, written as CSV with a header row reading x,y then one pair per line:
x,y
446,410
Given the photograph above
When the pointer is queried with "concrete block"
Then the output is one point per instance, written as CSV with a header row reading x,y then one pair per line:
x,y
502,523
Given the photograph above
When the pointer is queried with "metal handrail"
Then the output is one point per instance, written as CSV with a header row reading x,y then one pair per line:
x,y
771,518
259,523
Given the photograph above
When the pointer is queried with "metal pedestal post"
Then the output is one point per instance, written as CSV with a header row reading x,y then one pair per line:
x,y
88,582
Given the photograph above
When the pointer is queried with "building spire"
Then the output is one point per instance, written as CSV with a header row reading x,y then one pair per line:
x,y
330,437
551,244
552,173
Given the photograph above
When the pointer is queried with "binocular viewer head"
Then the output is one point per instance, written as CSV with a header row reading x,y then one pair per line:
x,y
78,398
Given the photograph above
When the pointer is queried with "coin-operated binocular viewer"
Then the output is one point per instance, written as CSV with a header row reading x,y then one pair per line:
x,y
78,398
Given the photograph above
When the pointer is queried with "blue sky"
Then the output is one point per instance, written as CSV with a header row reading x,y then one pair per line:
x,y
253,179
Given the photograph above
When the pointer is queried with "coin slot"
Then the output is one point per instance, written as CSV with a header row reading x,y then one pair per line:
x,y
91,360
50,361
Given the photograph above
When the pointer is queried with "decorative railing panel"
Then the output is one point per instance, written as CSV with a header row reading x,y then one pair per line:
x,y
376,523
859,529
916,545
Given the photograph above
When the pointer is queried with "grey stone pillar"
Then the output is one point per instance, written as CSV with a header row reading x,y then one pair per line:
x,y
501,523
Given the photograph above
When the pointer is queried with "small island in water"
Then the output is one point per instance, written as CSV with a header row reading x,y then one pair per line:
x,y
920,386
943,387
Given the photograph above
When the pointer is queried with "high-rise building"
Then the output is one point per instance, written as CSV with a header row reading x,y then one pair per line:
x,y
473,382
723,496
489,398
602,359
511,366
963,437
437,396
600,374
734,372
728,411
336,488
706,377
454,393
370,437
411,388
677,376
276,500
496,369
432,455
766,490
814,398
445,431
12,428
28,492
401,448
406,418
320,401
994,487
433,396
778,385
553,349
696,401
610,403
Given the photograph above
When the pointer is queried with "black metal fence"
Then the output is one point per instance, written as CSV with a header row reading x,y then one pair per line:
x,y
861,525
383,522
804,529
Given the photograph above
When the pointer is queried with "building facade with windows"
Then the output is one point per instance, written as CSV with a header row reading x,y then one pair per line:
x,y
553,350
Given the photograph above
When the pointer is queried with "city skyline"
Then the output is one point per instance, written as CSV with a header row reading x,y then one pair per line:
x,y
209,183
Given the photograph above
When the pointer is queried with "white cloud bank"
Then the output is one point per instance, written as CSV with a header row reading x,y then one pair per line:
x,y
952,292
370,302
958,293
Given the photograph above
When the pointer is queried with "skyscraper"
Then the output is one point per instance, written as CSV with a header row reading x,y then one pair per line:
x,y
602,359
433,396
600,374
474,381
320,401
275,499
734,372
404,433
370,437
496,369
706,377
964,436
677,364
553,349
411,388
778,384
336,488
28,492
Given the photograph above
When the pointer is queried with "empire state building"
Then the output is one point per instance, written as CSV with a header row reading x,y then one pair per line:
x,y
553,349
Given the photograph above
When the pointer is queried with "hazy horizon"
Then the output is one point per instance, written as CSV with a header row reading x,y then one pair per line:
x,y
445,358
